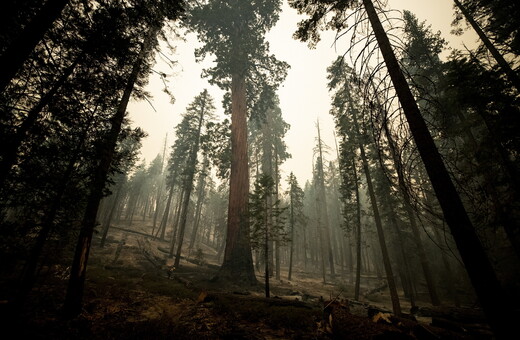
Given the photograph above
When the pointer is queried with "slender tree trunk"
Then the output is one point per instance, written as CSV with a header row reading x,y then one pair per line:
x,y
276,243
320,249
425,264
166,215
175,223
191,168
489,291
381,236
291,225
74,296
238,259
19,50
160,187
323,199
266,246
111,214
200,200
358,233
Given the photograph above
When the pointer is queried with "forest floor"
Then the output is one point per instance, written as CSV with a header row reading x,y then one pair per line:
x,y
133,293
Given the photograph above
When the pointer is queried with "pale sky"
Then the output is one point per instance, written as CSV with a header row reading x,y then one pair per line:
x,y
303,96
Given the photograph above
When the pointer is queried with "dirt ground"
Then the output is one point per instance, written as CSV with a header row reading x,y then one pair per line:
x,y
132,292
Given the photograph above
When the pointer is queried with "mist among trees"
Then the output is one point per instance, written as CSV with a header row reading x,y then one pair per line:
x,y
406,224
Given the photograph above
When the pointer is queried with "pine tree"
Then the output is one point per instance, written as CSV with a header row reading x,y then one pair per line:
x,y
266,221
297,217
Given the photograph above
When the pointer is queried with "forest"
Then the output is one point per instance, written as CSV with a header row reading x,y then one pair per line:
x,y
398,220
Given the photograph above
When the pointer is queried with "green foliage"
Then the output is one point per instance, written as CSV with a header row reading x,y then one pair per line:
x,y
193,133
324,14
296,202
233,31
267,221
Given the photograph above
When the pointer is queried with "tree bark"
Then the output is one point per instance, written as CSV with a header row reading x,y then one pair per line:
x,y
481,272
358,233
238,260
164,219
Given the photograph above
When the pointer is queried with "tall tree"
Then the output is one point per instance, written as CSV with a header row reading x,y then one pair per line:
x,y
296,214
233,31
321,200
74,297
266,222
197,112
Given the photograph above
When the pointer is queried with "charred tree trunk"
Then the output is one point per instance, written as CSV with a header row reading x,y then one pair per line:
x,y
200,200
166,215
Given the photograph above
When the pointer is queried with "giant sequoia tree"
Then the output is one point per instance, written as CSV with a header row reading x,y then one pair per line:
x,y
477,263
233,31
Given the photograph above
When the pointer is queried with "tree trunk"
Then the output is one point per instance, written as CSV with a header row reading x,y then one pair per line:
x,y
200,200
276,243
19,50
381,236
291,225
480,270
160,187
74,296
188,183
358,233
164,219
175,223
425,264
266,246
325,214
238,260
29,271
111,213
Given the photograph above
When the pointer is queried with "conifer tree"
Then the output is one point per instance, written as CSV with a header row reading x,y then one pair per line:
x,y
233,31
